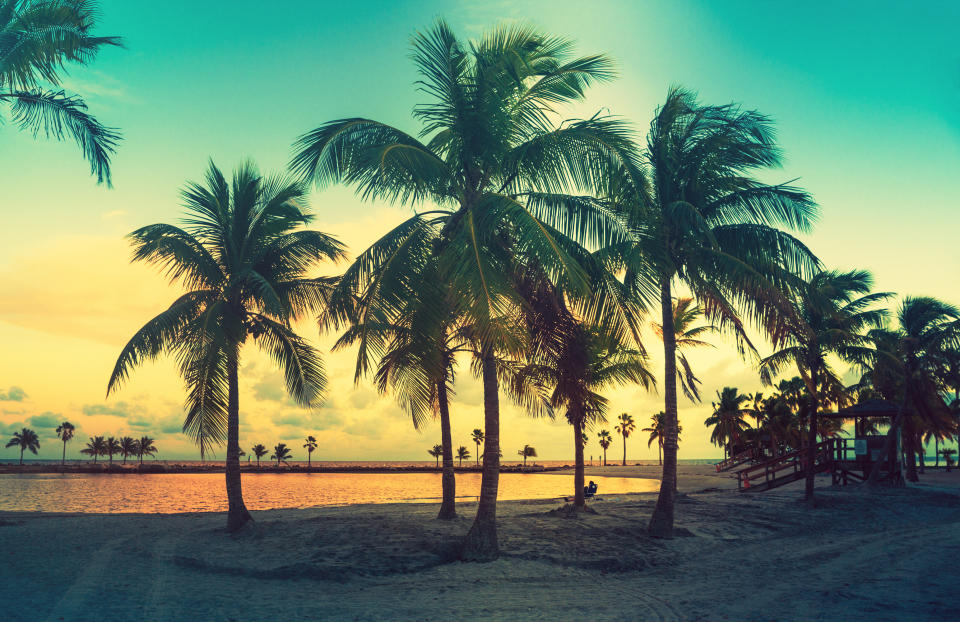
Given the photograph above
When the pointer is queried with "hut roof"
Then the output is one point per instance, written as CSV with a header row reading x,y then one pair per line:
x,y
869,408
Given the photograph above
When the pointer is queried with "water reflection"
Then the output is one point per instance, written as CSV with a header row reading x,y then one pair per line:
x,y
204,492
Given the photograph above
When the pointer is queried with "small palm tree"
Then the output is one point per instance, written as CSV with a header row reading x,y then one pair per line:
x,y
145,447
948,453
527,452
281,453
477,437
625,428
462,454
259,450
128,447
96,447
605,441
245,259
656,431
37,39
25,439
111,447
436,451
65,433
728,419
310,446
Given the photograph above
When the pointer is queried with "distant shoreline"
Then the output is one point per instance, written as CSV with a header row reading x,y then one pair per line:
x,y
174,468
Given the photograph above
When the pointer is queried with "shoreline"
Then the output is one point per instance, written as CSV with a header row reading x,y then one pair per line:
x,y
174,468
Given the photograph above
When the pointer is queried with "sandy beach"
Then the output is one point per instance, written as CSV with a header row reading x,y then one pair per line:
x,y
887,555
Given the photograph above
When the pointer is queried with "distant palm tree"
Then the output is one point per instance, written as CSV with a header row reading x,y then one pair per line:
x,y
436,451
145,447
625,428
463,453
259,451
244,258
477,437
128,447
96,447
605,441
281,453
728,419
310,446
948,453
25,439
656,431
527,452
111,447
65,432
37,39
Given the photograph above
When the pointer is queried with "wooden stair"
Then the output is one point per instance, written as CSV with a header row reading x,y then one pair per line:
x,y
785,469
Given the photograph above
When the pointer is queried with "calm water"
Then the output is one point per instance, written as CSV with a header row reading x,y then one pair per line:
x,y
204,492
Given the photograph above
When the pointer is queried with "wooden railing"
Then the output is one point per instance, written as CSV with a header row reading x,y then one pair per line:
x,y
737,460
790,466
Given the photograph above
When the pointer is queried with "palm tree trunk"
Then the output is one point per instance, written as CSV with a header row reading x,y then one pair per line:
x,y
936,450
811,444
661,522
578,499
237,514
309,453
660,452
21,456
481,541
604,456
448,480
910,441
63,459
478,453
624,463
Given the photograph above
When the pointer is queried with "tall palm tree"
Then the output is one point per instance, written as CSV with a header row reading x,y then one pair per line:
x,y
281,453
310,446
831,314
908,366
111,447
462,454
259,450
700,220
96,447
65,433
728,418
656,431
25,439
605,441
437,452
244,257
625,428
477,437
128,447
38,38
493,163
528,451
686,336
145,447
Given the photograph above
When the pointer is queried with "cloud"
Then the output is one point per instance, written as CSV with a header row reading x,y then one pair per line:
x,y
46,420
120,409
270,388
14,394
112,214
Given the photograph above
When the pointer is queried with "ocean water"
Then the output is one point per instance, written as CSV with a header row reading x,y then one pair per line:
x,y
362,463
204,492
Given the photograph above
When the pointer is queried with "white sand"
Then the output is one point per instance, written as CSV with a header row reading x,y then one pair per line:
x,y
872,556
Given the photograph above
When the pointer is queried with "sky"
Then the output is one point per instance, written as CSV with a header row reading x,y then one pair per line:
x,y
865,96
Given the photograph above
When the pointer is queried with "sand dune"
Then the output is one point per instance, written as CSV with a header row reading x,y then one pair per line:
x,y
870,556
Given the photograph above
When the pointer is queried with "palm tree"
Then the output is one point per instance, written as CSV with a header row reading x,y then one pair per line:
x,y
477,437
492,161
110,448
948,453
244,257
259,451
701,220
95,447
437,452
656,431
25,439
908,366
65,433
728,419
281,453
831,314
605,441
462,454
37,39
128,447
625,428
528,451
310,446
686,336
145,447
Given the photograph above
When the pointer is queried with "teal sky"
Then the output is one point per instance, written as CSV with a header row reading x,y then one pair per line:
x,y
866,96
